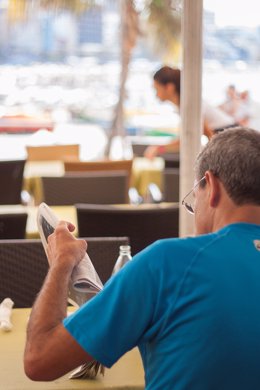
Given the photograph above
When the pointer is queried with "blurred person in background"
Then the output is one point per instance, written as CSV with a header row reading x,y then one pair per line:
x,y
167,83
237,105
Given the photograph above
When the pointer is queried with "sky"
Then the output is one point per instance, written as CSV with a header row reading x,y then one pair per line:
x,y
234,12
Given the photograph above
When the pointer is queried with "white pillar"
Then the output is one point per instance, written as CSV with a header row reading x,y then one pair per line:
x,y
192,23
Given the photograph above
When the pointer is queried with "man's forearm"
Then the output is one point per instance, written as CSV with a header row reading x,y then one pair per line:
x,y
50,307
50,350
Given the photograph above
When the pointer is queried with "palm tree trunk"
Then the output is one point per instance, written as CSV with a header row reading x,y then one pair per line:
x,y
129,33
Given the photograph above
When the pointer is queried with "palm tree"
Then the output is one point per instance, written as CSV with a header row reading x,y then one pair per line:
x,y
160,22
129,34
162,26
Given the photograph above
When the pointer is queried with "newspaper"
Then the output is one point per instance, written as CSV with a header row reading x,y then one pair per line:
x,y
84,283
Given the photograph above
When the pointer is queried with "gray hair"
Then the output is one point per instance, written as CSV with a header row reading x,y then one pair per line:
x,y
234,157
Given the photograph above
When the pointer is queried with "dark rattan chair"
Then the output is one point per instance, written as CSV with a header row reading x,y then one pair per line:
x,y
103,252
143,224
23,266
11,181
96,187
171,160
171,178
107,166
13,225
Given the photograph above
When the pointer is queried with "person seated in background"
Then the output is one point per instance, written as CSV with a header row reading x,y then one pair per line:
x,y
237,105
191,305
167,83
245,111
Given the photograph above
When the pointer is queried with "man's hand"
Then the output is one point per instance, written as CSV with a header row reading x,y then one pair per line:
x,y
64,250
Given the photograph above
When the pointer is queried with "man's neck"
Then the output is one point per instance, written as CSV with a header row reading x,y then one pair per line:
x,y
245,213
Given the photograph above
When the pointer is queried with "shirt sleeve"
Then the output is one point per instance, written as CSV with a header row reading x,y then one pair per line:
x,y
117,318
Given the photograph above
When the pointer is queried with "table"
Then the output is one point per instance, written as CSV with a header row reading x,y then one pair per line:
x,y
127,373
67,213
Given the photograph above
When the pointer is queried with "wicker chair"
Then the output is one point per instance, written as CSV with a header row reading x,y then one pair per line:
x,y
171,178
171,160
96,187
170,187
11,180
100,166
143,224
13,225
23,266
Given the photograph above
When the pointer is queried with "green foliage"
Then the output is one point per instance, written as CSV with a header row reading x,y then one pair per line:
x,y
163,27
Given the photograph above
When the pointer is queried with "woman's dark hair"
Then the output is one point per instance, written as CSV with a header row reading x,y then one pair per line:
x,y
168,75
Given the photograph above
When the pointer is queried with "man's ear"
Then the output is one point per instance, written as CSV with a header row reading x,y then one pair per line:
x,y
214,189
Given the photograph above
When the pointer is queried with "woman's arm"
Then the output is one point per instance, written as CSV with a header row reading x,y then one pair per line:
x,y
155,150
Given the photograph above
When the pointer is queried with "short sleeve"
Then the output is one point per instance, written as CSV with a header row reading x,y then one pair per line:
x,y
116,320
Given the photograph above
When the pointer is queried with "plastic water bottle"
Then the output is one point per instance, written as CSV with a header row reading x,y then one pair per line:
x,y
123,258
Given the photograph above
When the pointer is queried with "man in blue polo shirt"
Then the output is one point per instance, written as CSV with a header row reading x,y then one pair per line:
x,y
191,305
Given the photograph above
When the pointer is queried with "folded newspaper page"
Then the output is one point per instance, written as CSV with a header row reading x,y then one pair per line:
x,y
84,284
88,371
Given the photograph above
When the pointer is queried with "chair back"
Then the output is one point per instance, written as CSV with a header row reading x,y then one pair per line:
x,y
139,149
101,165
171,188
143,224
103,252
11,181
171,160
95,187
13,225
24,265
53,152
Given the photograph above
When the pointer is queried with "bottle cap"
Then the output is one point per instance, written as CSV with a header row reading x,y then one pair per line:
x,y
125,248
